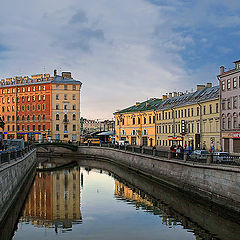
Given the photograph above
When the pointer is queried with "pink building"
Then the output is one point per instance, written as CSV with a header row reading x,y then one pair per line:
x,y
229,83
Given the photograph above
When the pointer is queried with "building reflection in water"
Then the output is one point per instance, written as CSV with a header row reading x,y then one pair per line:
x,y
54,200
145,202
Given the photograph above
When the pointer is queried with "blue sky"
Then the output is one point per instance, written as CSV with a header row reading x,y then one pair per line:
x,y
123,51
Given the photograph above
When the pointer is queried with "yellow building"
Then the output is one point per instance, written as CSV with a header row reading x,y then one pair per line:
x,y
190,119
65,107
136,124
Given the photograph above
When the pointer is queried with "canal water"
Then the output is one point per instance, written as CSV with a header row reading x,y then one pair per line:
x,y
104,201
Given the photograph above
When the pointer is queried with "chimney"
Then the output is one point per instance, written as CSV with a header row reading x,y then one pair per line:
x,y
209,85
170,95
200,87
137,104
66,75
55,72
221,70
164,97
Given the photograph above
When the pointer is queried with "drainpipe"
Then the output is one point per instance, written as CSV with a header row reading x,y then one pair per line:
x,y
200,108
220,107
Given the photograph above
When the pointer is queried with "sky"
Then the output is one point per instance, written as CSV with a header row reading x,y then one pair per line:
x,y
123,51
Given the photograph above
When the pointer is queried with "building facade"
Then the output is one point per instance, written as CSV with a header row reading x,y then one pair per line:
x,y
27,107
190,119
136,124
229,83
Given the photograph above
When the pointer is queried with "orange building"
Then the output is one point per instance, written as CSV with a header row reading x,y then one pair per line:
x,y
27,110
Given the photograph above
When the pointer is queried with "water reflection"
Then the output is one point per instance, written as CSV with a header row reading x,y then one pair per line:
x,y
54,200
116,204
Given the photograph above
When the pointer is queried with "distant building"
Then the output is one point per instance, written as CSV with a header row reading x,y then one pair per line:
x,y
40,107
229,82
93,126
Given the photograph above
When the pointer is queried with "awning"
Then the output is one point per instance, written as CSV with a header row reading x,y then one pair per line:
x,y
109,133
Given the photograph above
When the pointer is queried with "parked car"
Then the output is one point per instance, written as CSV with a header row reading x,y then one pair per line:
x,y
123,142
222,157
199,155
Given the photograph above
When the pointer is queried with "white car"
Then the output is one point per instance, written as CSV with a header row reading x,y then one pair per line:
x,y
199,155
222,157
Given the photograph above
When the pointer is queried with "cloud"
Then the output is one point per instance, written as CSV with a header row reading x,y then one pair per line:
x,y
123,51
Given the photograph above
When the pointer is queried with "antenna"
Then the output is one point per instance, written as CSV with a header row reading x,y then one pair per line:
x,y
44,69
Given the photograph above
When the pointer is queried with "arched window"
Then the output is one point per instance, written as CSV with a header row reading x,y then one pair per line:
x,y
74,116
39,117
144,132
33,117
23,118
28,117
133,132
235,120
229,121
65,117
57,116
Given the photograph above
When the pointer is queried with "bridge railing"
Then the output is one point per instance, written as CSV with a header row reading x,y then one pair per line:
x,y
13,155
184,155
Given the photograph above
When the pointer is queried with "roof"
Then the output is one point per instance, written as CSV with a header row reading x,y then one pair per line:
x,y
61,80
150,104
206,94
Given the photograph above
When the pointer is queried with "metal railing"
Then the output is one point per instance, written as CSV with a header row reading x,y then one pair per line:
x,y
184,155
13,155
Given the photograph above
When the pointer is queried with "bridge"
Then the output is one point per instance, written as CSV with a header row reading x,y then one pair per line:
x,y
63,144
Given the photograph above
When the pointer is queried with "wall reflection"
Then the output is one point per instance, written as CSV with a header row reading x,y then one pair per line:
x,y
54,200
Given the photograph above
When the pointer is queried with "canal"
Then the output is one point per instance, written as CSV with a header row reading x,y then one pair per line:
x,y
94,199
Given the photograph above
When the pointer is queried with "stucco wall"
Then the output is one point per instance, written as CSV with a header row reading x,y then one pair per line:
x,y
218,183
12,177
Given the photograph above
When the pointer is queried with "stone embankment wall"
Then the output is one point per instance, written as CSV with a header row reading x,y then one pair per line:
x,y
12,177
218,183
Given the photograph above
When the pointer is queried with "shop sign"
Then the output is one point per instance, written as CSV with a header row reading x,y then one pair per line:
x,y
236,135
174,138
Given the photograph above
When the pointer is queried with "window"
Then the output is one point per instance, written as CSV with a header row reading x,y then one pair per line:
x,y
43,117
23,89
192,111
65,127
74,117
57,87
23,118
74,96
39,97
197,111
34,89
210,108
74,106
39,107
204,110
57,96
74,87
229,84
223,105
234,82
28,89
33,118
229,104
150,119
57,116
23,127
39,88
28,117
65,107
133,121
33,107
44,97
65,87
217,108
28,127
188,112
74,127
34,127
57,127
23,99
34,98
39,117
235,122
153,119
13,118
13,128
44,127
229,122
235,102
39,127
28,107
139,120
223,85
44,88
144,120
65,96
57,106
